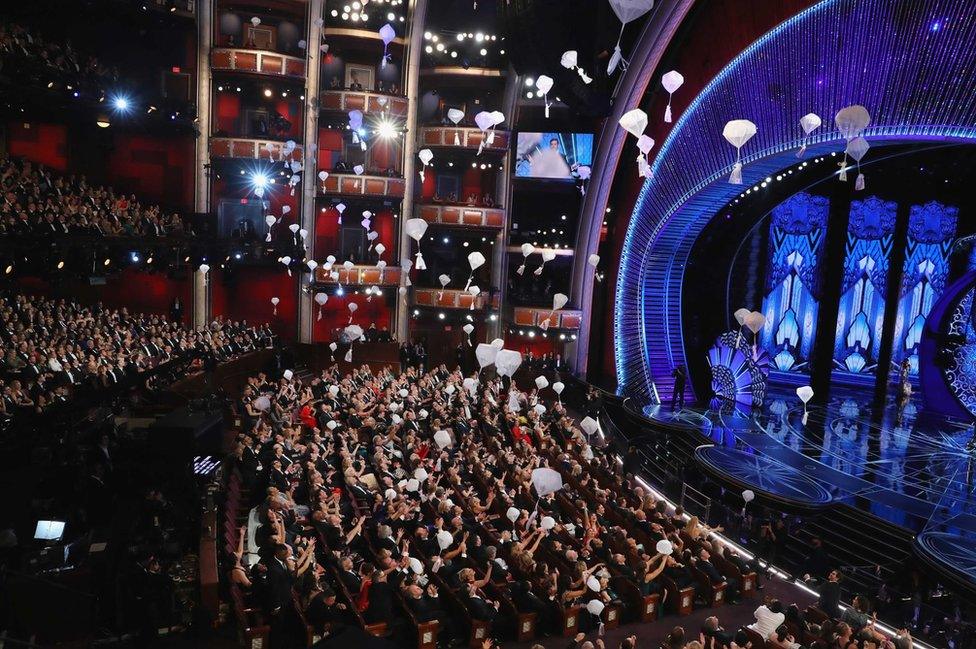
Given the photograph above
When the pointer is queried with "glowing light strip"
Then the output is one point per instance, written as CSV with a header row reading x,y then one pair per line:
x,y
887,630
914,78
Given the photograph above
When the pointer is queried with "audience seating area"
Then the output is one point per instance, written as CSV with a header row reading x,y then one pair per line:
x,y
40,202
45,63
408,506
52,350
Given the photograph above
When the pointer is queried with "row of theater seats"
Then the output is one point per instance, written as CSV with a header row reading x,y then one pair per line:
x,y
525,603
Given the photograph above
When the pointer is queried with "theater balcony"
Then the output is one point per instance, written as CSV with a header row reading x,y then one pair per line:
x,y
461,215
564,320
360,275
263,62
461,71
351,35
349,184
449,299
256,149
370,103
463,138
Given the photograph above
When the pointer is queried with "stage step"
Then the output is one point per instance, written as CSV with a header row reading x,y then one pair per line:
x,y
856,542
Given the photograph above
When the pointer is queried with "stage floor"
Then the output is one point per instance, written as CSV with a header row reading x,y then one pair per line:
x,y
909,468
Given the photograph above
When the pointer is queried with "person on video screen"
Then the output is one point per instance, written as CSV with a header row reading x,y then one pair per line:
x,y
549,162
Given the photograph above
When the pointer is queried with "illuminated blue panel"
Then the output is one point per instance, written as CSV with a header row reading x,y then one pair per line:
x,y
916,80
861,312
796,235
931,228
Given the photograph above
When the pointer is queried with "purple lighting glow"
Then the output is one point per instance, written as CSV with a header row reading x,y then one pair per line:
x,y
873,52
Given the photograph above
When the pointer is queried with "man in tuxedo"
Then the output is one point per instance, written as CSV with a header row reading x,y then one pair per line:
x,y
705,564
620,565
478,606
349,577
526,601
829,601
280,579
426,606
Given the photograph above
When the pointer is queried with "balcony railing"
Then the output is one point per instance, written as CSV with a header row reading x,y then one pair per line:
x,y
360,276
242,147
448,298
367,102
460,71
365,34
467,138
536,316
352,185
462,215
257,62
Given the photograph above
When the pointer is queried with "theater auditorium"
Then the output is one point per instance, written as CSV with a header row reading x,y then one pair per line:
x,y
500,324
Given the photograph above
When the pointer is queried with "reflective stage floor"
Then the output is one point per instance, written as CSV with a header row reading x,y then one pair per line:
x,y
911,469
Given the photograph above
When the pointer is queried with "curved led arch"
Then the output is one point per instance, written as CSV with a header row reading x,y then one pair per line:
x,y
909,62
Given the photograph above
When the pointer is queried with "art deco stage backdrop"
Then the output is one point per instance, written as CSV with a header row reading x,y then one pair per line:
x,y
908,64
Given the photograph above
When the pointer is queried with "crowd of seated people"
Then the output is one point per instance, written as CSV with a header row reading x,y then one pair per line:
x,y
27,55
53,349
408,502
356,85
40,202
473,200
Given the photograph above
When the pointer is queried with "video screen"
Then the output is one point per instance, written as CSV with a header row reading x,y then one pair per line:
x,y
49,530
553,155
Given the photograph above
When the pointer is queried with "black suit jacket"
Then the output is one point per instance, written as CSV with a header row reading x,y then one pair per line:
x,y
713,575
830,599
351,580
426,608
280,583
380,607
480,609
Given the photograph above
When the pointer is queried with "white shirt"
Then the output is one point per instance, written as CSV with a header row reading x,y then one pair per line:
x,y
766,621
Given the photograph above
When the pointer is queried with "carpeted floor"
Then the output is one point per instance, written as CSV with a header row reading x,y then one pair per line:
x,y
650,636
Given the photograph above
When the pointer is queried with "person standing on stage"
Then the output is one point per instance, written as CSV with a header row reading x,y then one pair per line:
x,y
904,385
680,375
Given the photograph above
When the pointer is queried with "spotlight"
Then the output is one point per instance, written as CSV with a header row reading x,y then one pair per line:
x,y
440,316
340,291
259,180
121,104
60,264
134,256
385,129
9,269
267,92
416,312
102,121
106,262
238,256
149,259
